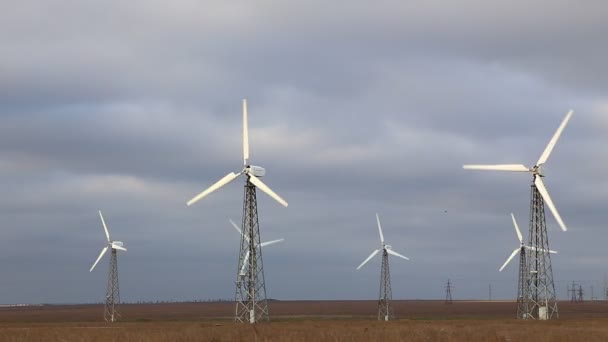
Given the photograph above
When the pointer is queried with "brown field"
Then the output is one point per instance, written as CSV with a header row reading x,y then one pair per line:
x,y
305,321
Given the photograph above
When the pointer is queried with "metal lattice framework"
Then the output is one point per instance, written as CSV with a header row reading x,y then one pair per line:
x,y
575,293
448,292
540,300
522,286
385,308
111,312
250,297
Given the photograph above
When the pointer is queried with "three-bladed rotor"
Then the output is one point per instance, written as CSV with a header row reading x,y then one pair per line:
x,y
263,244
117,245
252,172
383,247
536,170
521,245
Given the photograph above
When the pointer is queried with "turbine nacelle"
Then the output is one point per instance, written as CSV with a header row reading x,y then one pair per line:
x,y
257,171
538,171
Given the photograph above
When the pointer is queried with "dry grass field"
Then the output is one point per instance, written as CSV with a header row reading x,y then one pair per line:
x,y
305,321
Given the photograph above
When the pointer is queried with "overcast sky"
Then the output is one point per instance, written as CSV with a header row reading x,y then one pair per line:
x,y
355,107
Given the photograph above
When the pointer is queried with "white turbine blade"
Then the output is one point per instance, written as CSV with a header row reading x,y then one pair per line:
x,y
368,258
543,158
237,228
242,271
380,229
268,243
498,167
540,249
521,238
245,134
258,183
390,251
105,228
510,258
103,251
227,179
121,248
540,185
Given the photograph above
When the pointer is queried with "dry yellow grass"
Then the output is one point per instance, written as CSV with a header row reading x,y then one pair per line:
x,y
320,330
304,321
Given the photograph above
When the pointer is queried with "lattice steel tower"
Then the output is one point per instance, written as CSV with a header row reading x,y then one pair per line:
x,y
385,308
448,292
522,285
250,297
539,298
111,312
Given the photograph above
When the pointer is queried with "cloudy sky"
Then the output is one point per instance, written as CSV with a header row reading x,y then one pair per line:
x,y
355,108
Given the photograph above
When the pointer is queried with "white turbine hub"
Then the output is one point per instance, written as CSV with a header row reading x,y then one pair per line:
x,y
540,171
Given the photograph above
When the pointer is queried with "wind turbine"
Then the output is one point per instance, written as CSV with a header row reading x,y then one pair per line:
x,y
539,297
250,298
263,244
521,250
111,312
524,276
385,310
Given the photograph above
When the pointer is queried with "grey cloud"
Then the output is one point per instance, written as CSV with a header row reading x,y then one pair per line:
x,y
134,107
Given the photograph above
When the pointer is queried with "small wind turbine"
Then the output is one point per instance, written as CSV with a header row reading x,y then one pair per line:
x,y
246,259
521,250
111,313
385,311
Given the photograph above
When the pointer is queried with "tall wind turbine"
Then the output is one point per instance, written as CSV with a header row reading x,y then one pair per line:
x,y
111,312
385,310
523,274
540,292
250,297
